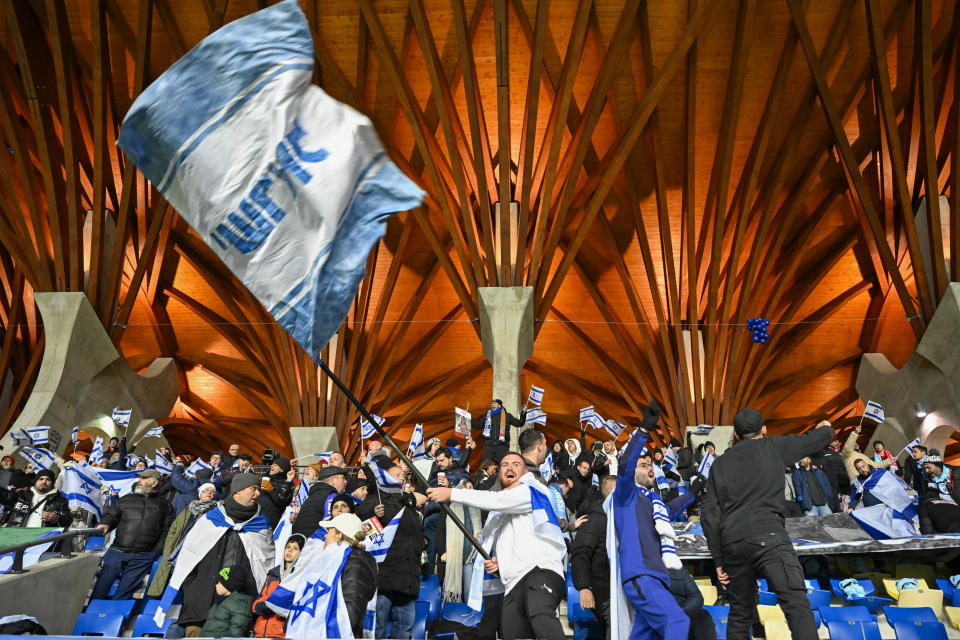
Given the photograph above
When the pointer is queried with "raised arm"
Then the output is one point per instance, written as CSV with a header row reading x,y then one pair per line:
x,y
626,485
514,500
794,447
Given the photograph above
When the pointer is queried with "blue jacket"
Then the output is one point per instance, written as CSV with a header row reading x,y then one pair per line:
x,y
187,488
803,492
633,516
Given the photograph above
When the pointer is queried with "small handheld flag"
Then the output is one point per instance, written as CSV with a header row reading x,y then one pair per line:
x,y
156,432
614,428
75,435
416,450
121,417
385,481
706,463
535,396
161,464
366,429
197,465
38,435
585,413
96,454
874,411
323,457
536,416
39,457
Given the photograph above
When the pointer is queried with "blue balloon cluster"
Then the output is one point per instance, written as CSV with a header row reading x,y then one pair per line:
x,y
758,327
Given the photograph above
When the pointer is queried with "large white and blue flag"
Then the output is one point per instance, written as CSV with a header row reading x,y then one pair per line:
x,y
536,416
896,517
366,428
120,482
585,413
874,411
415,450
308,186
705,463
37,435
81,488
31,555
197,465
535,396
379,545
121,417
96,454
384,480
39,457
156,432
161,464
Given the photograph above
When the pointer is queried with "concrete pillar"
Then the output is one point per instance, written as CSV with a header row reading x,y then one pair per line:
x,y
308,441
719,436
52,591
506,331
83,377
930,379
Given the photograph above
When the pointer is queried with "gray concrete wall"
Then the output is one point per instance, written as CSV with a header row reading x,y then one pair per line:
x,y
52,591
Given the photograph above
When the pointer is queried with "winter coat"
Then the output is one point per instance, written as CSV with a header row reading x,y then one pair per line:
x,y
358,582
480,422
6,477
141,522
230,618
186,487
179,528
314,508
400,570
803,490
914,474
18,505
273,502
589,563
269,625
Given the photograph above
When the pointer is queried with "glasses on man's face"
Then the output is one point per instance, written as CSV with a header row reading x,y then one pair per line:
x,y
644,465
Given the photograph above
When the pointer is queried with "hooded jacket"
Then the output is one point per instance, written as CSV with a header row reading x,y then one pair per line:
x,y
18,505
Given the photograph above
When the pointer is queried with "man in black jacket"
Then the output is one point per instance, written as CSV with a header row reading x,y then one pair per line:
x,y
331,481
913,471
141,519
38,506
939,510
743,522
589,563
496,423
276,496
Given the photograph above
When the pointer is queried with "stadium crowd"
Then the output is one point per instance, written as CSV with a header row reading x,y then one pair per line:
x,y
270,550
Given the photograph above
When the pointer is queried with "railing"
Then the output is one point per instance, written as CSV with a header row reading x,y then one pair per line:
x,y
65,552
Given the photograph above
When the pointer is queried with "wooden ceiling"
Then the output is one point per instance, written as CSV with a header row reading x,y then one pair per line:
x,y
678,168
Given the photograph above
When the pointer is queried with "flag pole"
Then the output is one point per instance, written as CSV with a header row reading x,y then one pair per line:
x,y
393,445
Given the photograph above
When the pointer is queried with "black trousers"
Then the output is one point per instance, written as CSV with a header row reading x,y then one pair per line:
x,y
495,450
772,556
530,609
939,517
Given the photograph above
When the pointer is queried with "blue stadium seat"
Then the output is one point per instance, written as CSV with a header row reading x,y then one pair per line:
x,y
153,570
762,582
867,585
430,593
98,624
462,613
419,631
920,631
94,543
148,606
853,630
873,604
145,627
819,598
719,613
766,597
845,614
120,607
909,614
944,585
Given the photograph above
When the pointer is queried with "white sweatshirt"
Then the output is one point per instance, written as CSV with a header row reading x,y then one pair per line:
x,y
517,547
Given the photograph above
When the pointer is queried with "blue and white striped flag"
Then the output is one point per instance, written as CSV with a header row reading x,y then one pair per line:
x,y
96,454
415,450
536,416
196,466
379,545
670,458
910,445
121,482
384,480
703,429
37,435
308,188
705,463
535,396
366,429
614,428
75,435
31,555
874,411
121,417
586,412
39,457
161,463
132,460
324,457
81,488
156,432
896,517
546,469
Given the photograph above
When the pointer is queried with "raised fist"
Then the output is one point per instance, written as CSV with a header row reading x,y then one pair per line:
x,y
651,415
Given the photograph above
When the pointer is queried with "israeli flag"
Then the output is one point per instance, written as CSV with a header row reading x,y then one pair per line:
x,y
121,417
161,463
706,463
196,466
133,459
703,429
536,416
546,469
384,480
37,435
75,435
896,517
81,488
39,457
156,432
120,482
379,545
670,458
416,450
535,396
323,457
910,445
874,411
614,428
308,186
96,454
20,439
585,413
367,430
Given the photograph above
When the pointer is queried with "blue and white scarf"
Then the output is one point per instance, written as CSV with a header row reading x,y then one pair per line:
x,y
488,423
661,521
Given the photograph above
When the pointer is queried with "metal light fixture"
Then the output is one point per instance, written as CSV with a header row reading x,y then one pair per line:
x,y
920,410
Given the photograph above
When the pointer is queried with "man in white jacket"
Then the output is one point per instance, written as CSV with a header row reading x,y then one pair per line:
x,y
523,537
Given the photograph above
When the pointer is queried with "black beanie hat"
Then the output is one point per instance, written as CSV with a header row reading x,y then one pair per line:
x,y
283,463
747,422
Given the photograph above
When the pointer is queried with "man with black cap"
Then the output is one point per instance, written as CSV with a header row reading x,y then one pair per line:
x,y
38,506
276,490
743,522
496,423
330,482
141,519
357,488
